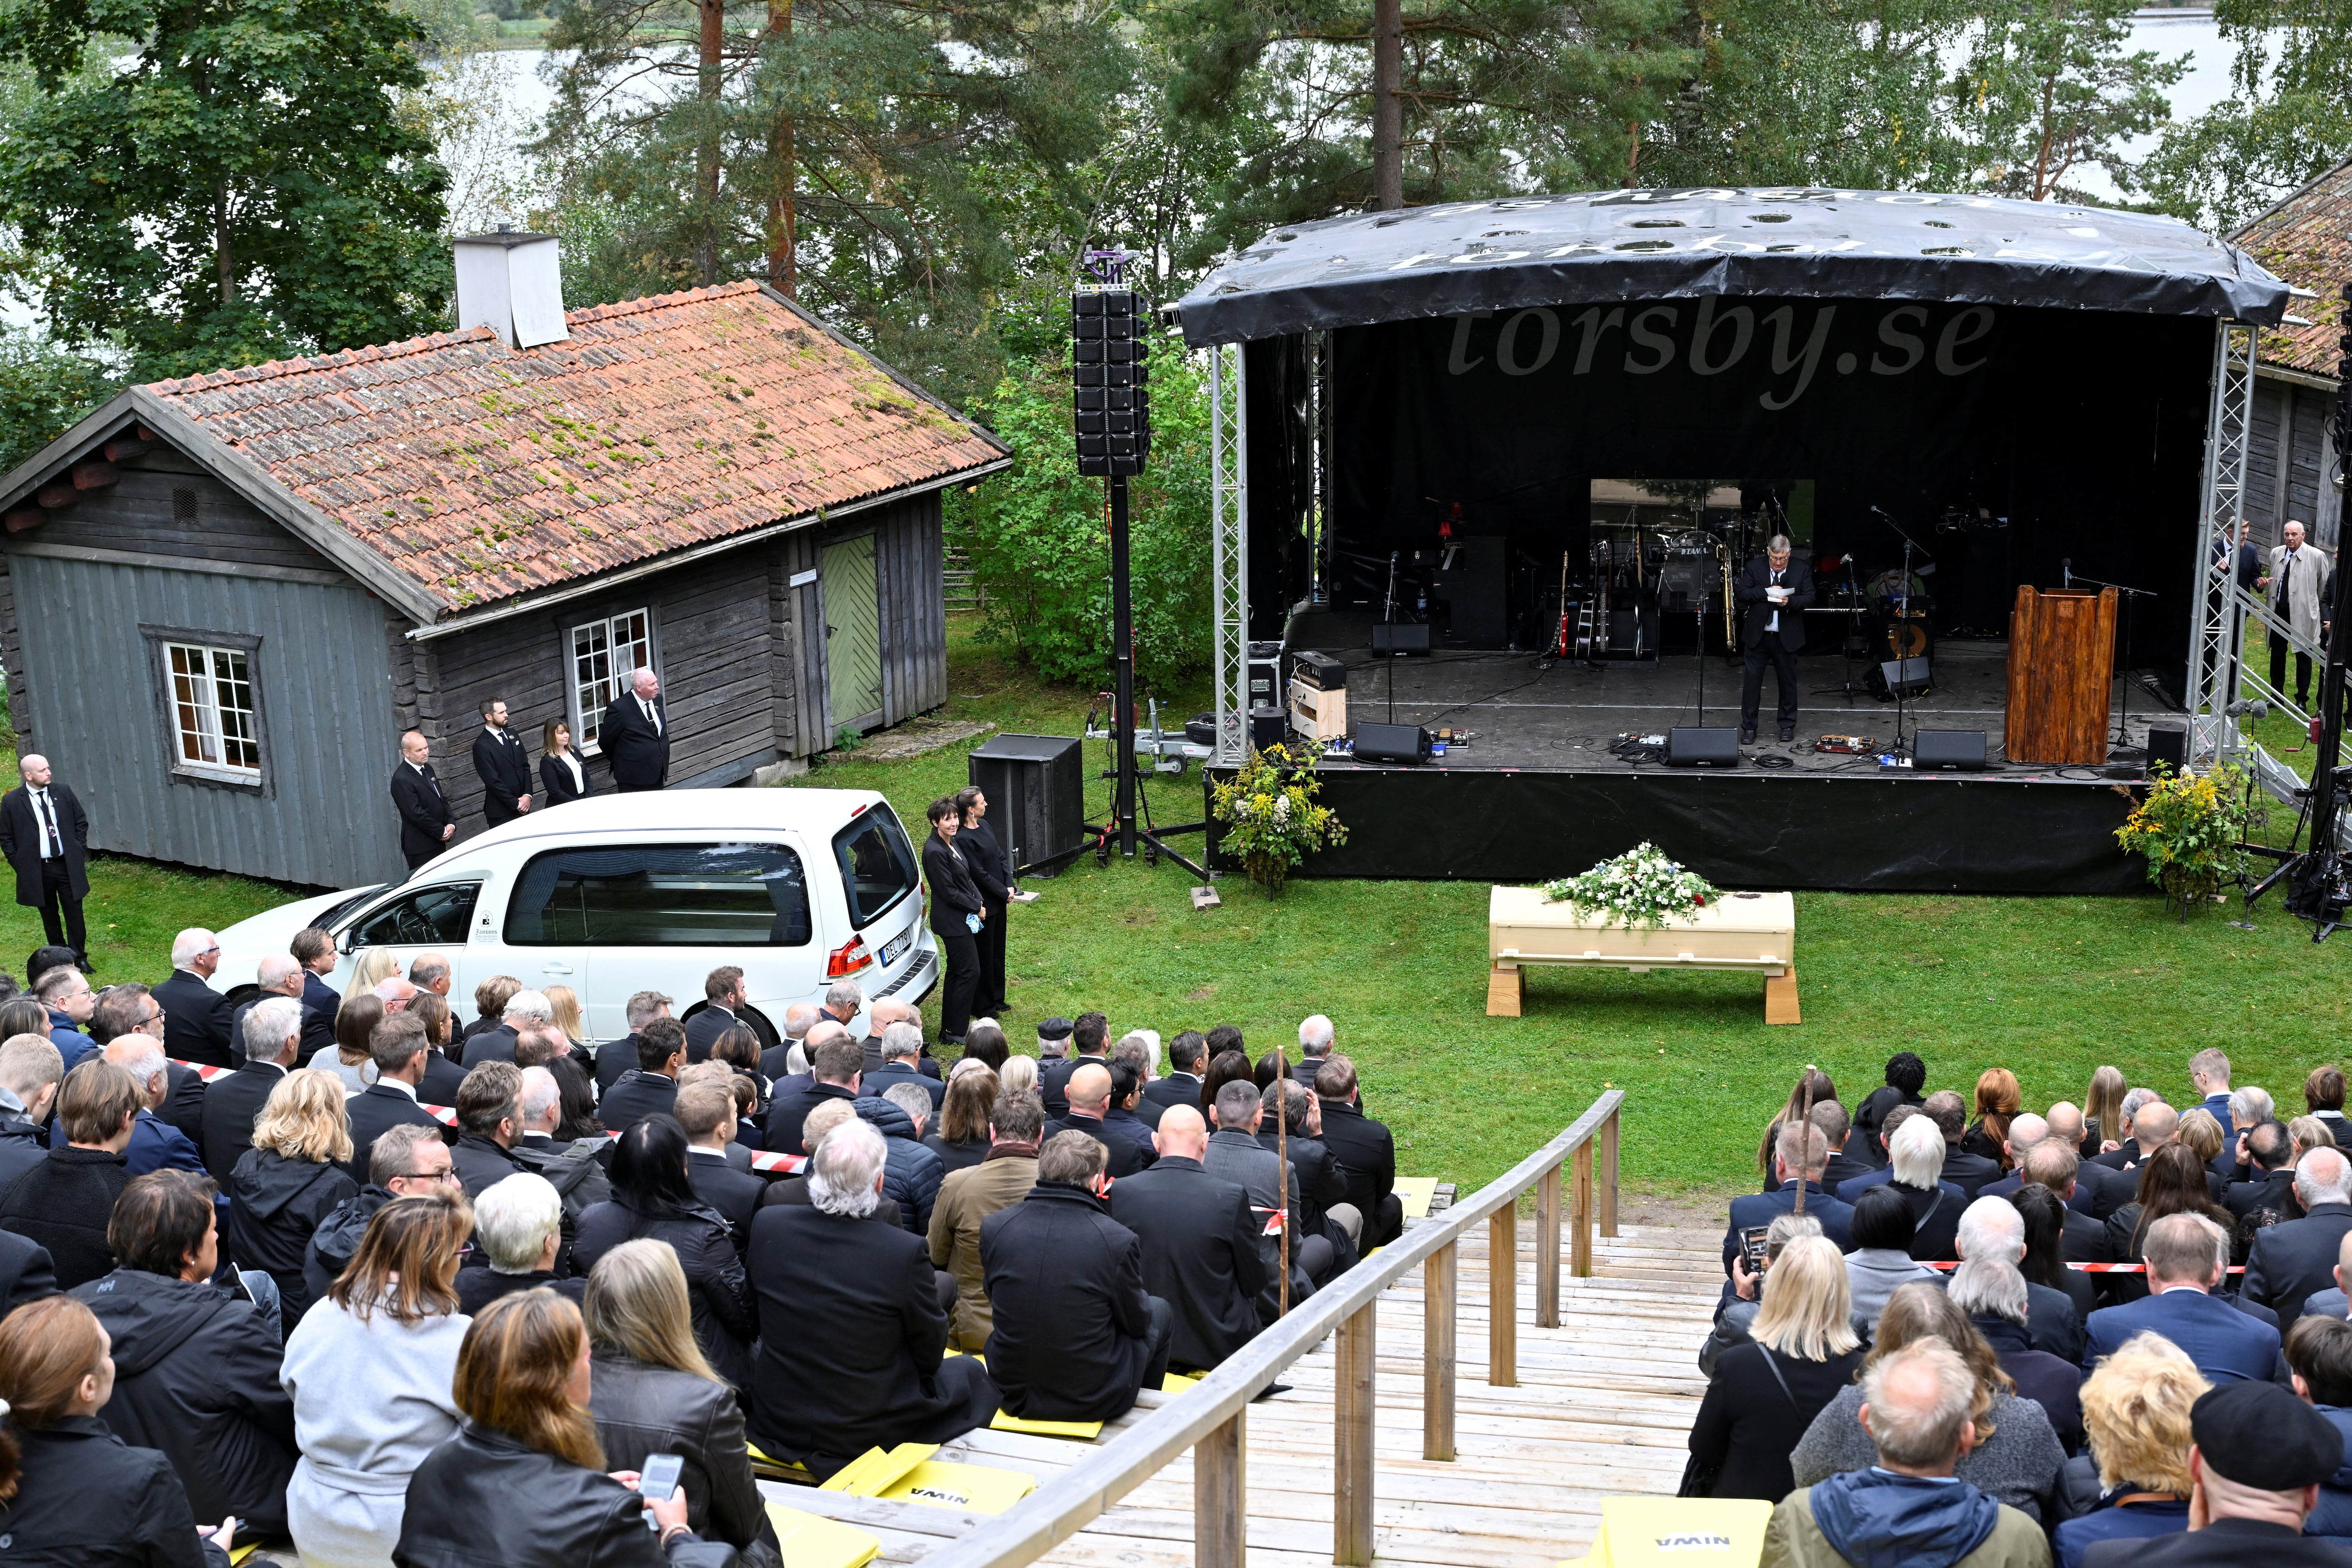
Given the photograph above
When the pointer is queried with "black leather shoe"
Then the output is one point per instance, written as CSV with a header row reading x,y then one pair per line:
x,y
1788,731
1747,734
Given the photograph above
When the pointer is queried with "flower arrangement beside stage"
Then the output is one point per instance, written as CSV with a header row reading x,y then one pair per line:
x,y
1640,888
2190,827
1270,816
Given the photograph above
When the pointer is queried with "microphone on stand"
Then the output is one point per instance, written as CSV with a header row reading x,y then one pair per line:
x,y
2066,570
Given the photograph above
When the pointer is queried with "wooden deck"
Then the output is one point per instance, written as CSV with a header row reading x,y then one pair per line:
x,y
1602,1407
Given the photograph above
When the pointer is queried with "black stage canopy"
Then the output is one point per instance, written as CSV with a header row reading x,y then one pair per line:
x,y
1605,247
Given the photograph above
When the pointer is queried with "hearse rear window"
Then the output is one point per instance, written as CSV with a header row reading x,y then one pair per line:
x,y
662,895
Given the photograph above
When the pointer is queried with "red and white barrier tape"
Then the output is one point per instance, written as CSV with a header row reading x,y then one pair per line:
x,y
2099,1268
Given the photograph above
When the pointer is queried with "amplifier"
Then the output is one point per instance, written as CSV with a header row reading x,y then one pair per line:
x,y
1688,746
1401,637
1390,743
1949,751
1319,713
1319,671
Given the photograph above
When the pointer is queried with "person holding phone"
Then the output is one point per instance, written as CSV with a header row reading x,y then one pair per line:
x,y
522,1482
1772,592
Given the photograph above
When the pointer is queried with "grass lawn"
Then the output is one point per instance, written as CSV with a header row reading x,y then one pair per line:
x,y
2049,987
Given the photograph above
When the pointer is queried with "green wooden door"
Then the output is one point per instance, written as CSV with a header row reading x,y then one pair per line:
x,y
853,633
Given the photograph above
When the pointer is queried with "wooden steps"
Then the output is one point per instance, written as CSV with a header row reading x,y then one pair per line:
x,y
1603,1408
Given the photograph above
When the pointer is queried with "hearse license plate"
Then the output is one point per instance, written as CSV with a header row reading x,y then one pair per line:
x,y
896,948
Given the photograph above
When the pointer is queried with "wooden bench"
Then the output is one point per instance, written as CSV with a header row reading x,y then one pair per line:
x,y
1751,932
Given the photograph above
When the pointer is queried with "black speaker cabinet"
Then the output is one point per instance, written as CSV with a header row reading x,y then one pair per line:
x,y
1391,744
1402,637
1688,746
1036,789
2169,744
1472,585
1949,751
1268,725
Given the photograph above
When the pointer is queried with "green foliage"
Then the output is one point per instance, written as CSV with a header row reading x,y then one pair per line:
x,y
2049,89
44,389
1037,537
2190,827
1640,888
2287,121
1271,816
243,186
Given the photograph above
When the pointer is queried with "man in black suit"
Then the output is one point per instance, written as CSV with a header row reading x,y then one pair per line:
x,y
652,1089
722,993
427,823
2269,1148
902,1046
706,1109
1187,1056
490,1124
44,834
1772,592
2257,1462
131,1009
2290,1261
195,1016
1089,1100
502,766
633,735
992,871
1200,1242
775,1061
1365,1150
271,1038
26,1274
1967,1172
278,975
398,1050
835,1070
2147,1127
1089,1040
2052,1163
314,950
616,1059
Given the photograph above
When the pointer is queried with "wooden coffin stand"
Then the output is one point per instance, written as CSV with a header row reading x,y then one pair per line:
x,y
1751,932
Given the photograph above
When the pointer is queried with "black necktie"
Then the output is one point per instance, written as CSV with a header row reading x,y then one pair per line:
x,y
49,826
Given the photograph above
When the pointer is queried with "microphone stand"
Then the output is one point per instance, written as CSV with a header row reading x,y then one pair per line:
x,y
1388,617
1902,607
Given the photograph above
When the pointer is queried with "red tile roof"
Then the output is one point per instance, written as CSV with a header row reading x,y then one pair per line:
x,y
2308,240
482,471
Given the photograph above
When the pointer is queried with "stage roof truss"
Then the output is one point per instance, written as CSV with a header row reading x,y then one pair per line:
x,y
1229,550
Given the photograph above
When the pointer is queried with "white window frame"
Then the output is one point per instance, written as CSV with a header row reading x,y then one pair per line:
x,y
195,696
589,696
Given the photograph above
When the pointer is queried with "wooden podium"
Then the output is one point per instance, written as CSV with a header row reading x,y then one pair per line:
x,y
2061,666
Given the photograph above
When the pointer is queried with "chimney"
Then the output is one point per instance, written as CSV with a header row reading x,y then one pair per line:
x,y
513,284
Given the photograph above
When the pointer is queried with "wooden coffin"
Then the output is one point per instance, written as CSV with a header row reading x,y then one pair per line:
x,y
1754,931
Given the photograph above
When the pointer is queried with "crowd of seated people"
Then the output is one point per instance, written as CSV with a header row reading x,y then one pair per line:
x,y
1912,1362
370,1276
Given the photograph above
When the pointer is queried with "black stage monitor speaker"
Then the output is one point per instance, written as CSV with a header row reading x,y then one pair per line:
x,y
1688,746
1390,743
1914,676
1268,724
2169,744
1949,751
1402,637
1036,795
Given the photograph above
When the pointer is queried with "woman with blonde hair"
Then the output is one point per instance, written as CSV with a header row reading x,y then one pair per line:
x,y
355,1020
2309,1133
371,1368
1998,1102
2103,1111
523,1484
654,1393
1017,1074
374,966
1802,1349
2135,1409
563,1012
2017,1456
290,1180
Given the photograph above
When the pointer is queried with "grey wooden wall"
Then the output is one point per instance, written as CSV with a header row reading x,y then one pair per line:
x,y
909,573
2291,419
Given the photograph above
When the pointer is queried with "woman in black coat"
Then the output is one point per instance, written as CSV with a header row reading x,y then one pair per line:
x,y
561,768
1765,1394
289,1181
653,1197
71,1493
991,872
957,915
522,1483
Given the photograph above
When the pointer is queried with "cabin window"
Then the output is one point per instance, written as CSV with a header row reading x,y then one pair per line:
x,y
602,652
209,695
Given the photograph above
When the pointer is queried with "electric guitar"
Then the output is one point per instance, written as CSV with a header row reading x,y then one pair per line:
x,y
1560,639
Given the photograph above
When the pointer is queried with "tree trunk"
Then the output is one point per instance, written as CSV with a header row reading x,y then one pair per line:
x,y
782,264
706,174
224,247
1632,154
1387,105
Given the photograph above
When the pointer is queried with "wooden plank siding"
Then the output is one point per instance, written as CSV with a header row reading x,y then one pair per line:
x,y
914,607
2290,418
164,504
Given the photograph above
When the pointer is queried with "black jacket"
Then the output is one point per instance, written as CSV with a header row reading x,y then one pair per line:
x,y
1969,1173
504,768
2049,1381
374,1110
781,1132
2085,1240
195,1021
89,1500
22,841
954,1157
1126,1157
638,1096
478,1284
63,1205
1747,1427
874,1085
25,1273
441,1080
479,1162
1200,1255
702,1030
715,1282
2223,1543
184,1103
1756,612
984,858
275,1205
495,1044
424,809
338,1237
1053,1082
614,1060
873,1376
196,1378
1181,1089
21,1148
637,753
231,1103
642,1410
1073,1325
953,892
1935,1221
556,779
734,1194
2292,1260
463,1511
1319,1183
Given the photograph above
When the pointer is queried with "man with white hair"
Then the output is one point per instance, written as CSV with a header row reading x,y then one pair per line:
x,y
2187,1255
155,1144
1916,1156
525,1010
281,974
633,734
272,1035
2249,1107
1908,1506
851,1327
1992,1231
519,1232
1994,1296
572,1167
1315,1038
2290,1261
195,1016
886,1012
44,834
902,1046
776,1062
1772,592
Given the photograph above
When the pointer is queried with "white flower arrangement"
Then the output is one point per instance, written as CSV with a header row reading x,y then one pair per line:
x,y
1639,888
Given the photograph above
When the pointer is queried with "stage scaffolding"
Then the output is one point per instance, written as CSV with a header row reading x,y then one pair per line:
x,y
1229,549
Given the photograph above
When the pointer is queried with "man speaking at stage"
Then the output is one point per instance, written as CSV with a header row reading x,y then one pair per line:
x,y
1772,592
